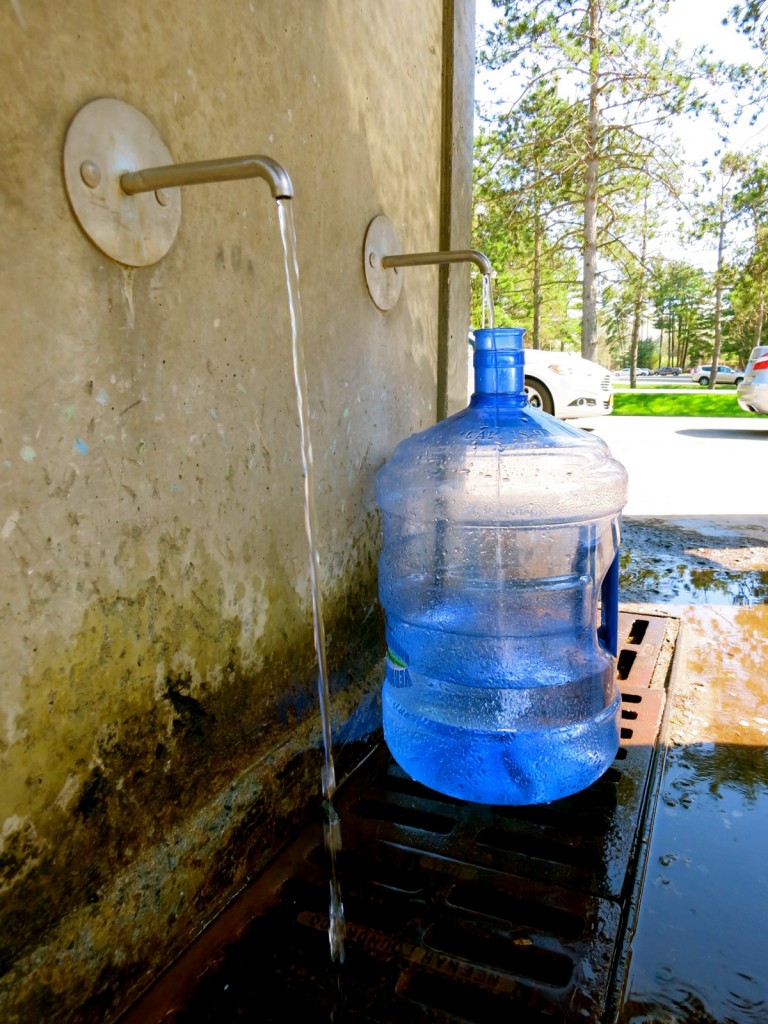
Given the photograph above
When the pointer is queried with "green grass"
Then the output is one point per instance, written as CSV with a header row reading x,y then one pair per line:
x,y
705,403
661,385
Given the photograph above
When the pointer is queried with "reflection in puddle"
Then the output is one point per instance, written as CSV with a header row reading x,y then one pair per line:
x,y
659,577
699,951
698,954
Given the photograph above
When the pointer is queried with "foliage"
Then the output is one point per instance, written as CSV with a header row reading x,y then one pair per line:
x,y
647,353
750,202
575,180
752,19
681,301
620,82
524,174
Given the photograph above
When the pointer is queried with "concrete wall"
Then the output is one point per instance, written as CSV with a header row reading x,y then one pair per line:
x,y
159,730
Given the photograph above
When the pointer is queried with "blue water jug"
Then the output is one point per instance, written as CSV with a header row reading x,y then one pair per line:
x,y
499,582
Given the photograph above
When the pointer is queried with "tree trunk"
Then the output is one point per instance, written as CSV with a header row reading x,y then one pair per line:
x,y
635,341
637,306
589,284
760,321
718,294
537,297
760,318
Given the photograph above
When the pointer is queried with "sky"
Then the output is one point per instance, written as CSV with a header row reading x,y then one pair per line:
x,y
700,23
696,23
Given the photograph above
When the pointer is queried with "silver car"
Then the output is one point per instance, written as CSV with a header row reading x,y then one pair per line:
x,y
752,393
725,375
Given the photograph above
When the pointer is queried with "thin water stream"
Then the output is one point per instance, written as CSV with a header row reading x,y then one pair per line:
x,y
332,825
487,303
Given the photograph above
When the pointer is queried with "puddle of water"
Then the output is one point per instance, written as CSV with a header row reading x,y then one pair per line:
x,y
725,672
698,954
672,579
653,578
699,951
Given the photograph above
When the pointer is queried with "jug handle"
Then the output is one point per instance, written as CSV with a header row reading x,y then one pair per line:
x,y
608,632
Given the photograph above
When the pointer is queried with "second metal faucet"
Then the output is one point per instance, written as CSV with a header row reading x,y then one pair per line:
x,y
382,260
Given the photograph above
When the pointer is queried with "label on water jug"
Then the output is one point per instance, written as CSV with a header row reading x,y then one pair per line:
x,y
397,671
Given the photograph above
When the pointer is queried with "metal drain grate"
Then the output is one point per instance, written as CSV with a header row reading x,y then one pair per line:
x,y
454,911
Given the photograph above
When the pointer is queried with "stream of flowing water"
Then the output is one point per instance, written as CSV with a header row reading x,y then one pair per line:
x,y
332,825
487,303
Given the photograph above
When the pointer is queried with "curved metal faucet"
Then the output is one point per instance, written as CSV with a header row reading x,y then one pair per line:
x,y
203,172
123,186
382,259
425,259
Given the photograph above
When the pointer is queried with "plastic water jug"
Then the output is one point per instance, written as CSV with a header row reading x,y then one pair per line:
x,y
499,582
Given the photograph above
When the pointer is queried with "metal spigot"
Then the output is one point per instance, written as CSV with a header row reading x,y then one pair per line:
x,y
424,259
382,260
113,154
202,172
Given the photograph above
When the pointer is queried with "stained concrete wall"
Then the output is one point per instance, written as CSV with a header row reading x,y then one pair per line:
x,y
159,731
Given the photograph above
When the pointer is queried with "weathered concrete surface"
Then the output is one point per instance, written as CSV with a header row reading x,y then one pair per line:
x,y
158,736
689,467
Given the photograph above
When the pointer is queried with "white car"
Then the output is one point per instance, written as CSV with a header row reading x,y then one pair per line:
x,y
567,386
640,371
752,393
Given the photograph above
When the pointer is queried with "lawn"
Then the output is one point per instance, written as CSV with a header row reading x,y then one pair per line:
x,y
662,384
680,403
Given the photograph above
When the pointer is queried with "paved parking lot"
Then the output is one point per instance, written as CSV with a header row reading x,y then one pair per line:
x,y
690,466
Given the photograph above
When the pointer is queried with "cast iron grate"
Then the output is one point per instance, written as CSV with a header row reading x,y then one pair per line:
x,y
454,912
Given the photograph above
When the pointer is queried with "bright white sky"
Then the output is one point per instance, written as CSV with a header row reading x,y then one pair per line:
x,y
697,23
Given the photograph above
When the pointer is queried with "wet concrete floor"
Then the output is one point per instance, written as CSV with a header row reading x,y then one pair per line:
x,y
698,952
695,547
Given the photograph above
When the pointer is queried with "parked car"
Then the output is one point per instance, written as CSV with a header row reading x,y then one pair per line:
x,y
641,371
668,371
725,375
752,393
567,386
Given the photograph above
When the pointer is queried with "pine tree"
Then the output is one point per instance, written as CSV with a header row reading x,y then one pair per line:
x,y
608,56
525,173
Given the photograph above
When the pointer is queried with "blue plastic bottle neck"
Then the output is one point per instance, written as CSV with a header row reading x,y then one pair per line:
x,y
499,363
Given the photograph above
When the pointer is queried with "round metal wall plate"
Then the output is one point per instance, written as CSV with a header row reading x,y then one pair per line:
x,y
106,139
383,284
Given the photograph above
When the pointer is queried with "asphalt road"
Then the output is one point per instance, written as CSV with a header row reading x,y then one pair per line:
x,y
681,378
686,466
683,382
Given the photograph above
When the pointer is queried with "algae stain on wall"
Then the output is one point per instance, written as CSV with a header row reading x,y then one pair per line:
x,y
155,703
